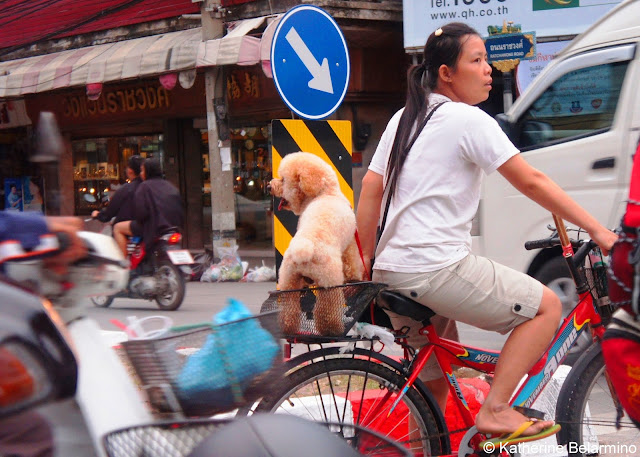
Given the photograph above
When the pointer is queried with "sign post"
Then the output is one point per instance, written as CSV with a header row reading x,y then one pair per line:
x,y
310,62
506,47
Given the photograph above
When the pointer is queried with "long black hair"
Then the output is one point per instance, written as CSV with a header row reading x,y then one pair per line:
x,y
443,47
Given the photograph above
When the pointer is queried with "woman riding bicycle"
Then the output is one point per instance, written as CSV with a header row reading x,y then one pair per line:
x,y
424,252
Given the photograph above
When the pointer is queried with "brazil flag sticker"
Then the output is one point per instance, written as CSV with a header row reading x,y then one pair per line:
x,y
554,4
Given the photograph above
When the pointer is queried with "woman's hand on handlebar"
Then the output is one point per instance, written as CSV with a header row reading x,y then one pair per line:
x,y
604,237
94,214
75,250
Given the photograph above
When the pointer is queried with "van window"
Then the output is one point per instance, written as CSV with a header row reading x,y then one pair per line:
x,y
580,103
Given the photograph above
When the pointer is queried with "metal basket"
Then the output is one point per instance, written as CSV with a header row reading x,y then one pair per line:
x,y
212,369
165,439
348,301
178,439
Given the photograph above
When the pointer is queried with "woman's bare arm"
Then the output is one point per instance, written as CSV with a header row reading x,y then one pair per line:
x,y
541,189
368,213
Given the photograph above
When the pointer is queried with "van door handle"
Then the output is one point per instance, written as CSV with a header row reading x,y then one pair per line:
x,y
609,162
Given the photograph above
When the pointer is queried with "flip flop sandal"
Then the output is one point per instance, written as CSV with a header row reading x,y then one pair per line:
x,y
516,437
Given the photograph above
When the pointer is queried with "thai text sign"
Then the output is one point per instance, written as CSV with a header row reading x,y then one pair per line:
x,y
510,46
547,17
141,99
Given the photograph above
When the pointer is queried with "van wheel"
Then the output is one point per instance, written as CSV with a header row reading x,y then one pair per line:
x,y
555,275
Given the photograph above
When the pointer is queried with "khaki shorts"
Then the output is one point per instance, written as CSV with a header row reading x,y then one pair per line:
x,y
475,290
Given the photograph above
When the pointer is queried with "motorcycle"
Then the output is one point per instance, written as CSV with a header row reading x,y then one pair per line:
x,y
155,274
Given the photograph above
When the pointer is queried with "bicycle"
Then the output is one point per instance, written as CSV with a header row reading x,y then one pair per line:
x,y
365,387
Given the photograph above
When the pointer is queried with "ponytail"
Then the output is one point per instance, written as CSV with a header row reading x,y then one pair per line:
x,y
443,47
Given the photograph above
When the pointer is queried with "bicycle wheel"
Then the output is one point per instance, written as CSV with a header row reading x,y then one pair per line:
x,y
333,390
587,412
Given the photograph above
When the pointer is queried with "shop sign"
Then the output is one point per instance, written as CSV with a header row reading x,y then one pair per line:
x,y
25,193
529,69
13,114
548,18
140,99
243,85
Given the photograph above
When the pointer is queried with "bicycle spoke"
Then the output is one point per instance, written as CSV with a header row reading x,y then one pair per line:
x,y
361,393
589,414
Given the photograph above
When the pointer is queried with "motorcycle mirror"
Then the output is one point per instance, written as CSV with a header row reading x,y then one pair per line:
x,y
89,198
49,145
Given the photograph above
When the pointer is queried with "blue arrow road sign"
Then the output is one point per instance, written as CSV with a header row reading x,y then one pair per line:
x,y
310,62
511,46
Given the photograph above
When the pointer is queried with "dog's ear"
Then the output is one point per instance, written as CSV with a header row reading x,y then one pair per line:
x,y
311,184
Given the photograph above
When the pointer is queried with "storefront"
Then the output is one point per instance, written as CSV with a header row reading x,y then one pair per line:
x,y
99,166
145,118
141,96
141,118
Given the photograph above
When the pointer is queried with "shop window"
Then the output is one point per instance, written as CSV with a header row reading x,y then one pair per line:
x,y
100,164
251,174
251,163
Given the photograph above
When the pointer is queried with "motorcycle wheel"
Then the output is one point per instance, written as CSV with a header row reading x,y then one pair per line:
x,y
172,298
102,301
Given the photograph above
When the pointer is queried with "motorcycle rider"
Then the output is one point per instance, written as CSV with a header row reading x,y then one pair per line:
x,y
158,208
28,434
122,203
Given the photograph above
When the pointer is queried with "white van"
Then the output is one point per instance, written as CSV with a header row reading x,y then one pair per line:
x,y
578,122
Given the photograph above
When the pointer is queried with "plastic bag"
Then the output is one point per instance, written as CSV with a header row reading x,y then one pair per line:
x,y
202,263
261,274
226,365
229,268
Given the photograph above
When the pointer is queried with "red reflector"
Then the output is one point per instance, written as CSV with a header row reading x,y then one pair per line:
x,y
175,238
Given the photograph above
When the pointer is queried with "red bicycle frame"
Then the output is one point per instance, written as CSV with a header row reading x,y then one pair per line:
x,y
449,352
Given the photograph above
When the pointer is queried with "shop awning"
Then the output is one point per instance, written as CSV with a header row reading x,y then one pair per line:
x,y
129,59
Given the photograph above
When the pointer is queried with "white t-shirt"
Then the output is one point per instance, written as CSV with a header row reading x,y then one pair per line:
x,y
429,221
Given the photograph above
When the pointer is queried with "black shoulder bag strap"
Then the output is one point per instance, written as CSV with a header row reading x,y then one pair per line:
x,y
388,191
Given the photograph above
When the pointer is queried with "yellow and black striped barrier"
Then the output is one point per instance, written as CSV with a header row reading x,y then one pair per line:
x,y
329,140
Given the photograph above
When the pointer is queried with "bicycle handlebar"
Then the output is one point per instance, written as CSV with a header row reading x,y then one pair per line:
x,y
549,243
583,246
542,244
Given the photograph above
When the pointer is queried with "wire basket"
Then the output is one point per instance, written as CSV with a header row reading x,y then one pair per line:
x,y
211,369
180,438
344,304
164,439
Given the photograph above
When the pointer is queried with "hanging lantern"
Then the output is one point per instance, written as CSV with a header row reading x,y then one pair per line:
x,y
187,78
94,90
169,80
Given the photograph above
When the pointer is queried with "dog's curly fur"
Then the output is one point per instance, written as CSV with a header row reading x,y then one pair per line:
x,y
323,248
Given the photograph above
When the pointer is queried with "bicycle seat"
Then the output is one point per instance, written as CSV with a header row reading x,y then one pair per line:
x,y
399,304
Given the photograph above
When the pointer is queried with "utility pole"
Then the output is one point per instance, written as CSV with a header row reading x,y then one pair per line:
x,y
223,218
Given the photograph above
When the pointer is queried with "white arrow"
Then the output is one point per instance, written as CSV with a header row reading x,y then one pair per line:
x,y
321,74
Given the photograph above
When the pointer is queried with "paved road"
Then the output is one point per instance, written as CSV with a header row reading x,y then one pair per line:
x,y
205,299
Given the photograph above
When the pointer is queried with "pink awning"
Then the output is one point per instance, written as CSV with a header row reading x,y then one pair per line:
x,y
129,59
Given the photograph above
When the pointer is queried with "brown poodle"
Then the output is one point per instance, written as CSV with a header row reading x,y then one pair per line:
x,y
323,250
